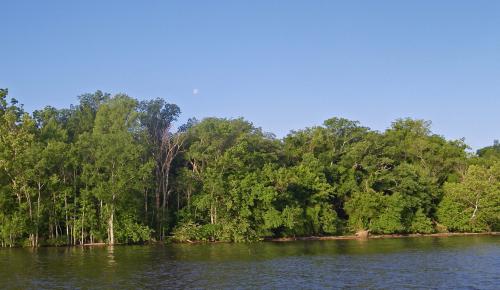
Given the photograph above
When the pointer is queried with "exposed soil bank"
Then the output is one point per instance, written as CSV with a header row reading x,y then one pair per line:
x,y
354,237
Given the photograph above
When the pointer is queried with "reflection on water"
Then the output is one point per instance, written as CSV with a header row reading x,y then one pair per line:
x,y
111,256
454,262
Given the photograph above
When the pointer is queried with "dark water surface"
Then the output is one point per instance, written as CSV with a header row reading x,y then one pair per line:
x,y
452,262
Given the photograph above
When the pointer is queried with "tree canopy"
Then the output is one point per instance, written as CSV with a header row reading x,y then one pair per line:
x,y
116,170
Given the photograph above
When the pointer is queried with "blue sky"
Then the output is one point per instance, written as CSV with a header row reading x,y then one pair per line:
x,y
281,64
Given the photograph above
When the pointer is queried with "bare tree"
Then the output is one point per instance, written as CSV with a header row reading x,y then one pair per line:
x,y
170,146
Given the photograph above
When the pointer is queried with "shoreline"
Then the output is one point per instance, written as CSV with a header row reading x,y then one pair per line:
x,y
288,239
386,236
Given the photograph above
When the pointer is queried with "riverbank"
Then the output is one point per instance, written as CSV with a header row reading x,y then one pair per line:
x,y
292,239
388,236
363,236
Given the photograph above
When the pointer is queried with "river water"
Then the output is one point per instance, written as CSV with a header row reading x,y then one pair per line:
x,y
471,262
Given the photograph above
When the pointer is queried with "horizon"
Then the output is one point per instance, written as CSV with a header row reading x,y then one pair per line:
x,y
295,67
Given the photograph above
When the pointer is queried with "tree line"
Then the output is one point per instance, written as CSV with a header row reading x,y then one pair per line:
x,y
116,170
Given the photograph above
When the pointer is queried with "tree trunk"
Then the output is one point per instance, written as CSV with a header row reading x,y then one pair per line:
x,y
38,213
164,202
145,203
83,223
66,218
30,208
476,205
111,234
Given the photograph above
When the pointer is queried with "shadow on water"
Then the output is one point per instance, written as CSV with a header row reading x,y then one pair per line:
x,y
271,250
405,262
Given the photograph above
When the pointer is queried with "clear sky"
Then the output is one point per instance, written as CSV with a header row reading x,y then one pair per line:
x,y
281,64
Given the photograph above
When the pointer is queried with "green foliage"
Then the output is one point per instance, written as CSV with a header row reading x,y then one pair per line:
x,y
362,208
129,231
189,231
12,229
111,169
328,220
57,242
421,223
186,231
390,219
474,203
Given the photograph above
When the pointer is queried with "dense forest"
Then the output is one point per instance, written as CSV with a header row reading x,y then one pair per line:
x,y
117,170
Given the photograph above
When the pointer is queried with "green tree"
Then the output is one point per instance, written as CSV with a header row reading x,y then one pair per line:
x,y
16,140
474,203
116,169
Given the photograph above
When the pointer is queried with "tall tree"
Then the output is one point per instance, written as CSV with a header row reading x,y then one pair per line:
x,y
116,171
157,117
